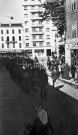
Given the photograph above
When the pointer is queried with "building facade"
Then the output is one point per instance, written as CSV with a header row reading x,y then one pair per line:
x,y
71,46
11,37
39,35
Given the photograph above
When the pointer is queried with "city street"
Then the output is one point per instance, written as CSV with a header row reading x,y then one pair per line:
x,y
16,107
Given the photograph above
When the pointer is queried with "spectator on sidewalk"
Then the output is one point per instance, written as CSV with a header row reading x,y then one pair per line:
x,y
48,63
66,71
59,68
73,69
62,70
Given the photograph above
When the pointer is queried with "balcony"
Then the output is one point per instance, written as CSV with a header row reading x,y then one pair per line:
x,y
27,3
37,40
37,33
13,42
37,25
36,18
36,11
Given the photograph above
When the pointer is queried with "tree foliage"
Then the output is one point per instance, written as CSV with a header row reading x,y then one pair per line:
x,y
55,10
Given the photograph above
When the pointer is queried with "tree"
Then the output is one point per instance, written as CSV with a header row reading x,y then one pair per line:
x,y
55,10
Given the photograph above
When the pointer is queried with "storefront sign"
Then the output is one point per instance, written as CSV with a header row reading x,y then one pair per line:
x,y
72,45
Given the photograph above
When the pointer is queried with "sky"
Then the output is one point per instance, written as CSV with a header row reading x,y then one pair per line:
x,y
10,8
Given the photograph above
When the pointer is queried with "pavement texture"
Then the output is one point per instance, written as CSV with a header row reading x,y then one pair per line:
x,y
16,107
66,86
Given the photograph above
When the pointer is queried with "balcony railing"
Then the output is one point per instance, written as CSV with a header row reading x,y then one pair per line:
x,y
37,25
37,33
13,42
36,11
37,40
36,18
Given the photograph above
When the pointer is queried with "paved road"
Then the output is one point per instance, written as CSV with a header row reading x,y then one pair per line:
x,y
68,89
16,108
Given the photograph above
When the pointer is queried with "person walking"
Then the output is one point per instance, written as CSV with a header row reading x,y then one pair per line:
x,y
73,69
62,69
48,63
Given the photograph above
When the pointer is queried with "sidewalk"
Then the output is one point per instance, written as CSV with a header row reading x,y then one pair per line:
x,y
70,82
67,87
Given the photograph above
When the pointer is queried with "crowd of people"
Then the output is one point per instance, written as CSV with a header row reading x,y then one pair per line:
x,y
28,73
62,69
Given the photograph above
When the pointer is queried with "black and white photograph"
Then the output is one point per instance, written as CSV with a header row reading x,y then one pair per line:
x,y
38,67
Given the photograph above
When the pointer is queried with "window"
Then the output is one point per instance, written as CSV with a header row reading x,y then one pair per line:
x,y
7,38
25,7
40,22
26,15
27,37
34,43
26,22
39,8
74,5
1,31
20,45
34,36
74,30
13,38
7,45
33,14
33,29
41,44
2,45
33,22
27,44
26,30
48,43
19,31
40,36
32,7
19,38
47,21
47,29
48,36
40,29
7,31
12,31
13,45
37,14
2,38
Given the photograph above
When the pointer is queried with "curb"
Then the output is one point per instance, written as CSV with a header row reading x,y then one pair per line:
x,y
70,83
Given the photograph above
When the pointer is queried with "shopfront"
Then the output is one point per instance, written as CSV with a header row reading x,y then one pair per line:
x,y
39,52
71,54
74,57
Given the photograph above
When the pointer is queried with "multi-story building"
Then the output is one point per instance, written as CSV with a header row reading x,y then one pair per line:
x,y
39,35
11,37
71,46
